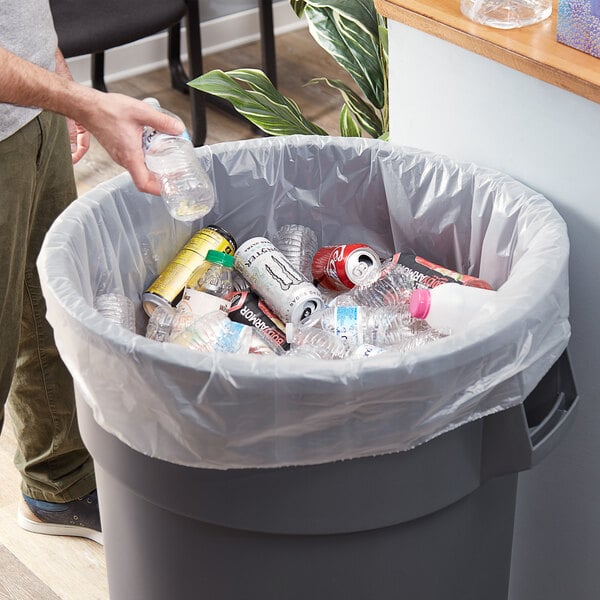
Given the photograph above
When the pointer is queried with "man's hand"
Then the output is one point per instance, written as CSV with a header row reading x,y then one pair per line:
x,y
79,137
115,120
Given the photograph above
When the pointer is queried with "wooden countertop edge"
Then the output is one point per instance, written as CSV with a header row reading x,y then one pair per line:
x,y
526,64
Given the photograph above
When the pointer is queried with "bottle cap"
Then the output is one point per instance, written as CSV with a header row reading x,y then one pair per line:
x,y
220,258
153,102
420,303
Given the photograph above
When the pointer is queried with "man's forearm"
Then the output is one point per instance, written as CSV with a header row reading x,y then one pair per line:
x,y
26,84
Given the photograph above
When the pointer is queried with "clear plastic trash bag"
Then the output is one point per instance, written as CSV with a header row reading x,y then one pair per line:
x,y
229,411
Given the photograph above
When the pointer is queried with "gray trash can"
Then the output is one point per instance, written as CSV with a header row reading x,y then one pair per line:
x,y
233,477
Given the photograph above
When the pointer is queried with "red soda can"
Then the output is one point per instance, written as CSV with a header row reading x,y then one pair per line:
x,y
342,267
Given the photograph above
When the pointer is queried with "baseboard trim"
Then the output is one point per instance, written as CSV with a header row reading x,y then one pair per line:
x,y
217,35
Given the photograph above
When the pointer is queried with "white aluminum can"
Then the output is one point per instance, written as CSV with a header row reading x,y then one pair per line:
x,y
271,275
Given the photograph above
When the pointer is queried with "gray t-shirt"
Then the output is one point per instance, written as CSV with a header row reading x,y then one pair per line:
x,y
26,29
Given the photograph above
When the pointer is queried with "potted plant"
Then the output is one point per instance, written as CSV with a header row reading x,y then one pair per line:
x,y
355,35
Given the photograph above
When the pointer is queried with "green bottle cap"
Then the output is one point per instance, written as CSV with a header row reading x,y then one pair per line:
x,y
220,258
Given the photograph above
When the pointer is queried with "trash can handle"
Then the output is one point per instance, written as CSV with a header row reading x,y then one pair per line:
x,y
548,432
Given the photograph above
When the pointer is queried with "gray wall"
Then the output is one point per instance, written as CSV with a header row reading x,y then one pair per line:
x,y
211,9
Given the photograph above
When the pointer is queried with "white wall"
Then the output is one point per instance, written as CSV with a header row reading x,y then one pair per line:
x,y
449,100
218,34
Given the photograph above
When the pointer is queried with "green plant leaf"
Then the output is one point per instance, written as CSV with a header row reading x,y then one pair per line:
x,y
348,126
348,30
363,112
361,11
298,6
383,43
260,102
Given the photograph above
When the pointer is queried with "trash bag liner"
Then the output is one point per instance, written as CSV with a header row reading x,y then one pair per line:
x,y
222,411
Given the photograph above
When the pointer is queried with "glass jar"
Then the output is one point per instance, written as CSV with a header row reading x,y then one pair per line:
x,y
506,14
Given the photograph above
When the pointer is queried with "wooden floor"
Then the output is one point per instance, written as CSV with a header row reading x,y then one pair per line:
x,y
37,567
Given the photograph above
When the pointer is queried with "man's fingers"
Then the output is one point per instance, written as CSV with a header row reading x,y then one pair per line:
x,y
144,180
82,145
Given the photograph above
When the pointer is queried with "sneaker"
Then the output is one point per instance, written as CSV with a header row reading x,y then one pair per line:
x,y
80,518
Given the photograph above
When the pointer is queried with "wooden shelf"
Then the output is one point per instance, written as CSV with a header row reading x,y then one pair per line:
x,y
532,50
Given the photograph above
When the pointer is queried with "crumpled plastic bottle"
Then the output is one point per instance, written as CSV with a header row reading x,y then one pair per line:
x,y
117,308
215,332
298,244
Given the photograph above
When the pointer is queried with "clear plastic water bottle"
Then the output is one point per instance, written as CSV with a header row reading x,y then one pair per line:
x,y
298,244
186,188
215,332
215,282
506,14
450,306
166,321
117,308
309,341
359,325
392,288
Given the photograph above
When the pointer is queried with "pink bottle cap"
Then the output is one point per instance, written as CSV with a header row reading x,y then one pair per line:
x,y
420,303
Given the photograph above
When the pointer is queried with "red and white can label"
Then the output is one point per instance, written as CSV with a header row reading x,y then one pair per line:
x,y
342,267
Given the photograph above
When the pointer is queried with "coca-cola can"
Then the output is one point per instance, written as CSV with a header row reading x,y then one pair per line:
x,y
342,267
271,275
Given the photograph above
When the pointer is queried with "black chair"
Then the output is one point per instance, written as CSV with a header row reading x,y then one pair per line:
x,y
94,26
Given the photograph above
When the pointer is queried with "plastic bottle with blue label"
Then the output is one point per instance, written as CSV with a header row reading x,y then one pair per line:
x,y
186,188
215,332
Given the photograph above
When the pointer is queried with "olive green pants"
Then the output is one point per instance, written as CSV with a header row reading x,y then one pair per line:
x,y
36,185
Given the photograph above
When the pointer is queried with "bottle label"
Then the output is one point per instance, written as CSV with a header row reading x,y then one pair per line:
x,y
345,322
151,136
233,337
201,303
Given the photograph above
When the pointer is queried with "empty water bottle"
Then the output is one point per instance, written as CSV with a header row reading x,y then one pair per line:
x,y
209,291
358,325
392,288
309,341
185,187
298,244
166,321
215,332
117,308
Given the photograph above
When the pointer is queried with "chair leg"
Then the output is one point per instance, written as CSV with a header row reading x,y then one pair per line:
x,y
194,48
179,77
98,72
267,36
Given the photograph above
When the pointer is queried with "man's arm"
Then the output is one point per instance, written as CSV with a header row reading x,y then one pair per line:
x,y
79,136
115,120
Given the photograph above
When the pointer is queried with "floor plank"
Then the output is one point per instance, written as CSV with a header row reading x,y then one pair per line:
x,y
18,582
